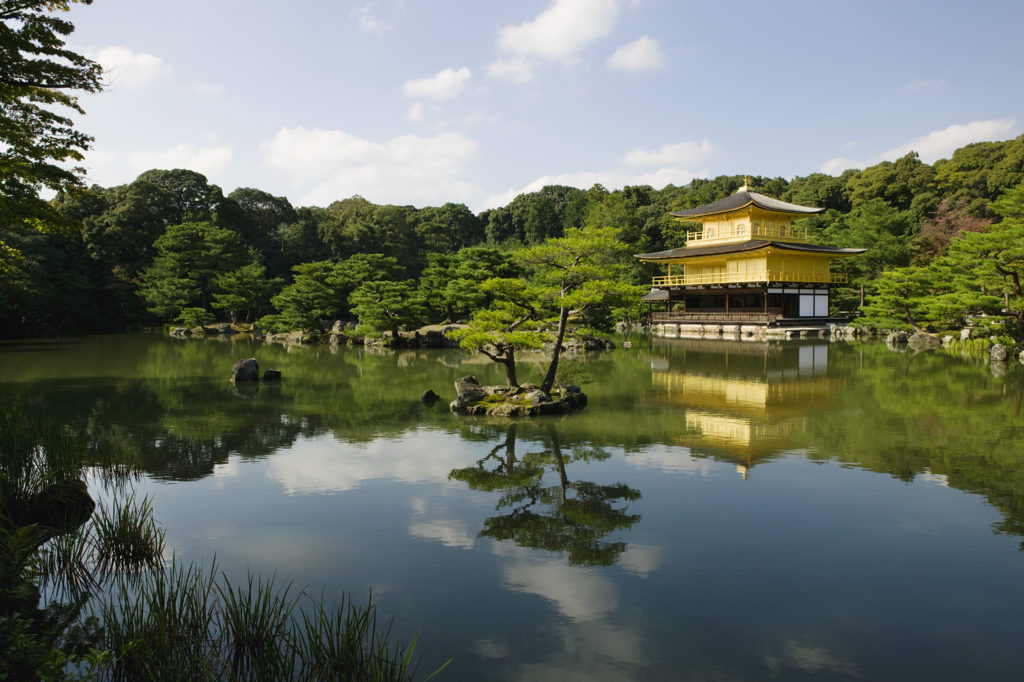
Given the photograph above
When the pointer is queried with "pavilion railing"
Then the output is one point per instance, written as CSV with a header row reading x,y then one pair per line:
x,y
739,277
789,234
761,318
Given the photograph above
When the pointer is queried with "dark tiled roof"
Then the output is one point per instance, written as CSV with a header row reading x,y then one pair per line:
x,y
751,245
744,198
655,295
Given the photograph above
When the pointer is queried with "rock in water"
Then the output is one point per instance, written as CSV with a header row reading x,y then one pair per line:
x,y
272,375
922,341
999,353
429,397
246,370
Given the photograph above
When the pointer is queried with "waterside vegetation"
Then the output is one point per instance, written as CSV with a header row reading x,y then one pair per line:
x,y
87,592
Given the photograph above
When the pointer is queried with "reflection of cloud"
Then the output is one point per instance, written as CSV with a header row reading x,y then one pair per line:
x,y
581,594
808,658
933,479
591,647
591,651
450,532
671,459
641,559
223,473
486,648
323,464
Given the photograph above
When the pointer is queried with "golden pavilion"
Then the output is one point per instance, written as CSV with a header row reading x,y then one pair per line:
x,y
747,265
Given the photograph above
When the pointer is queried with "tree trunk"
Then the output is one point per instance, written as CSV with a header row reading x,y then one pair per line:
x,y
549,378
510,368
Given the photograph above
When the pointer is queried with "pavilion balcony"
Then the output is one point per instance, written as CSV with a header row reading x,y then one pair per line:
x,y
745,232
748,277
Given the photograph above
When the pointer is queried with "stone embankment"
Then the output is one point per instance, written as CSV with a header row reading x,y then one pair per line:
x,y
342,334
747,332
527,400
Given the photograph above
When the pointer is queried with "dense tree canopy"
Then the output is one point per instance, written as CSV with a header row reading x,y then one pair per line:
x,y
39,77
171,245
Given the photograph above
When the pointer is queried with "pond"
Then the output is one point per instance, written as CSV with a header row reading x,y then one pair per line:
x,y
720,510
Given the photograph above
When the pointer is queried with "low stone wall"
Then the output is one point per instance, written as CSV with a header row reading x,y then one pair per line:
x,y
746,332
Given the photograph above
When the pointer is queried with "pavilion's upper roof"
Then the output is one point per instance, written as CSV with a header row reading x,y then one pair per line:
x,y
738,247
741,199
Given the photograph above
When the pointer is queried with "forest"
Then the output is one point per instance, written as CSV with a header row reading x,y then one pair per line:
x,y
945,240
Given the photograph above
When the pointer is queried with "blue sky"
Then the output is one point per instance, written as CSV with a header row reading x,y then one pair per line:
x,y
426,101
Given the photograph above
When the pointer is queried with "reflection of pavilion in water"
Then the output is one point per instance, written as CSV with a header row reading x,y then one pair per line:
x,y
743,402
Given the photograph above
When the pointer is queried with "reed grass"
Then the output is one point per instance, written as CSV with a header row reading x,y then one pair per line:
x,y
127,538
185,623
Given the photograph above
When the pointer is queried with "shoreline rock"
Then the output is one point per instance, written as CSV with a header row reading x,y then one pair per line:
x,y
507,401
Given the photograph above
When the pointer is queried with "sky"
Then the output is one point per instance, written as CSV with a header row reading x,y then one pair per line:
x,y
423,102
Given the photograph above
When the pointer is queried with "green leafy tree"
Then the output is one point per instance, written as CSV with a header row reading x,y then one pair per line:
x,y
190,197
472,267
580,270
245,290
313,295
383,305
882,228
990,263
902,298
433,285
39,77
451,284
512,323
263,221
189,259
448,228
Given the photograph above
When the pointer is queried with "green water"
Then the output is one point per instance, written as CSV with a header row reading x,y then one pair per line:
x,y
719,510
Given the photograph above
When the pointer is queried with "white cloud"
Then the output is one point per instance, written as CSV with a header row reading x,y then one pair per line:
x,y
446,84
938,144
674,164
366,20
515,69
838,164
941,144
562,30
328,165
127,69
415,112
678,154
211,161
643,54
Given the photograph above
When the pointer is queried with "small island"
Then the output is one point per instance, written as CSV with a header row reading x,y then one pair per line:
x,y
528,400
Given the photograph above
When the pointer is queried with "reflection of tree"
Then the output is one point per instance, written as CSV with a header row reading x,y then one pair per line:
x,y
570,517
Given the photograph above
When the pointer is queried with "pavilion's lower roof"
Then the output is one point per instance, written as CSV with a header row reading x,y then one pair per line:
x,y
751,245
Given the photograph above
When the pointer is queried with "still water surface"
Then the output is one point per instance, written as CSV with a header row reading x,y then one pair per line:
x,y
720,511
